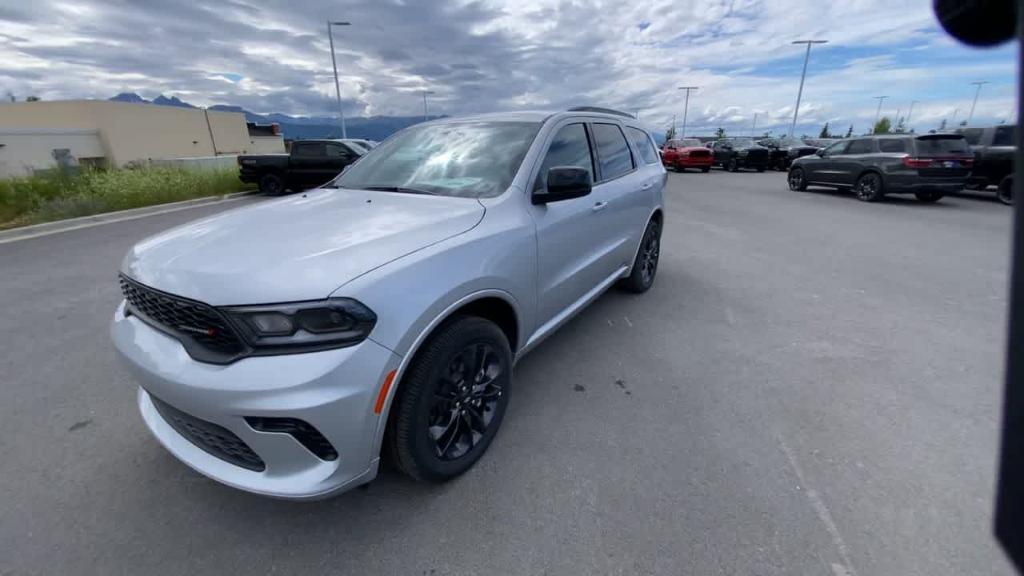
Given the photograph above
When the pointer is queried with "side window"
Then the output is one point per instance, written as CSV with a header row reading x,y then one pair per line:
x,y
892,145
837,148
860,147
569,147
337,151
972,135
612,151
307,149
1003,136
643,145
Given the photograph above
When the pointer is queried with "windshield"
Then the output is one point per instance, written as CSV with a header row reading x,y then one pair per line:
x,y
790,141
467,159
741,142
690,143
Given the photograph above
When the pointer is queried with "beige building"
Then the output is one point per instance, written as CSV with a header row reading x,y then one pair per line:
x,y
44,135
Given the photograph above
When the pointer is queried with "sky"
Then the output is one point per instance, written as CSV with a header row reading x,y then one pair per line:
x,y
495,55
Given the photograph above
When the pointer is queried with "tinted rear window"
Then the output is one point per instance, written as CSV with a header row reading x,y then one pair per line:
x,y
892,145
643,145
612,151
932,146
1003,136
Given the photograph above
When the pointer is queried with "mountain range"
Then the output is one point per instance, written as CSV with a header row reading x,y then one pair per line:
x,y
298,127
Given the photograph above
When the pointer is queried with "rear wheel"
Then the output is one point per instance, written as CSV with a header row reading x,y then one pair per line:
x,y
797,182
868,187
733,165
1005,193
929,196
452,400
645,266
271,184
760,168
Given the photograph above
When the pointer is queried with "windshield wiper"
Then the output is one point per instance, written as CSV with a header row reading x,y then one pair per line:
x,y
402,189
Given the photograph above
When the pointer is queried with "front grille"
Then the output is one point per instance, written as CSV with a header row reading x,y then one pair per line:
x,y
758,156
700,153
211,438
203,331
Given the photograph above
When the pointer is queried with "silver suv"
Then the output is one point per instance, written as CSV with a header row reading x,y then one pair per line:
x,y
282,347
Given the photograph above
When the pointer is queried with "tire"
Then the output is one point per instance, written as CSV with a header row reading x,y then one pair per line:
x,y
760,168
430,395
929,197
869,187
706,169
797,182
645,265
733,165
271,185
1005,192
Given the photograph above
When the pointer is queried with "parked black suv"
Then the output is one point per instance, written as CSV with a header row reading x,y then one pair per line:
x,y
786,149
993,149
310,164
927,166
735,153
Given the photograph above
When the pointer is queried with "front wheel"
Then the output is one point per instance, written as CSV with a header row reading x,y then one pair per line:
x,y
645,266
1005,193
868,187
797,182
733,165
271,184
760,168
929,196
452,400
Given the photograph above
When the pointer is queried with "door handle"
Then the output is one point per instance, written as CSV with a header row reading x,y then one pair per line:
x,y
646,186
598,206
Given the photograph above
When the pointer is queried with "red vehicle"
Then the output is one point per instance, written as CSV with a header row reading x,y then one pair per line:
x,y
686,153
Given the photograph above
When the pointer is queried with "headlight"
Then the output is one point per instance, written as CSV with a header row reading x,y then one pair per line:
x,y
744,152
303,326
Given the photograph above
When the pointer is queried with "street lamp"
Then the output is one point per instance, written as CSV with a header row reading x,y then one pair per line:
x,y
975,103
753,128
334,63
878,112
425,93
686,107
800,92
909,114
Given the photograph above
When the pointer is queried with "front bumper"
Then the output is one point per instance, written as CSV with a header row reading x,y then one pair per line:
x,y
695,161
334,391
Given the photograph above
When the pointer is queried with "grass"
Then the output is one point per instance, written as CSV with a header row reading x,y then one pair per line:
x,y
37,199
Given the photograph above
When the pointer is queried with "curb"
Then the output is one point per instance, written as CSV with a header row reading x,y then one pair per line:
x,y
47,228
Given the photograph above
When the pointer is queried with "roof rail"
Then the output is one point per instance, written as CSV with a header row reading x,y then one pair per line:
x,y
601,110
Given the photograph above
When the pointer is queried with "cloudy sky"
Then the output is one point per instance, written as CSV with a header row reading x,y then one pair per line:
x,y
487,55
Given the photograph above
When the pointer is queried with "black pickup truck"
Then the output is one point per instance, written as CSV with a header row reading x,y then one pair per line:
x,y
993,149
310,164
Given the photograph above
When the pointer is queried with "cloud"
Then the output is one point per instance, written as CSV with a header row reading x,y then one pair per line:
x,y
484,55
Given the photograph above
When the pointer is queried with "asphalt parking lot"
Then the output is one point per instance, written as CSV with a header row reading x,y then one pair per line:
x,y
811,387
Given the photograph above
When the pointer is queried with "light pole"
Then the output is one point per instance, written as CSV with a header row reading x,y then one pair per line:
x,y
753,127
334,63
956,111
800,92
878,112
686,107
425,93
975,103
909,114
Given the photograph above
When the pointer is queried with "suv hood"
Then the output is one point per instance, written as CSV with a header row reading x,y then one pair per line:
x,y
298,248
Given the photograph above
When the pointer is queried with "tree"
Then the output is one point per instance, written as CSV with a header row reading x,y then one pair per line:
x,y
10,96
766,134
720,133
33,99
670,134
850,131
963,122
900,128
883,126
824,132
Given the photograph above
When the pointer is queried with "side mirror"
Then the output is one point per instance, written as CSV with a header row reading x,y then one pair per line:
x,y
564,183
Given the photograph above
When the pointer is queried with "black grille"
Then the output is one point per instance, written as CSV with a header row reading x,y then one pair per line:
x,y
758,155
303,432
203,331
211,438
699,153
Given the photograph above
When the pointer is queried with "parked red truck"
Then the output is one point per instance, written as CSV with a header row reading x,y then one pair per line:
x,y
683,153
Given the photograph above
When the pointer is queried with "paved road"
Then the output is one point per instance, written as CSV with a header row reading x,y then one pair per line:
x,y
811,387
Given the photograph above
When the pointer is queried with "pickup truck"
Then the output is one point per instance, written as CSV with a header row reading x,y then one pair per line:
x,y
311,163
993,149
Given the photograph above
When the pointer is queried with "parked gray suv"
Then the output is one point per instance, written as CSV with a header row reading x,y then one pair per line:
x,y
928,166
281,347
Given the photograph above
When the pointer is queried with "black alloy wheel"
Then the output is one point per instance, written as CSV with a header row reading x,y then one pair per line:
x,y
271,184
733,165
465,401
797,183
645,266
1005,192
868,187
